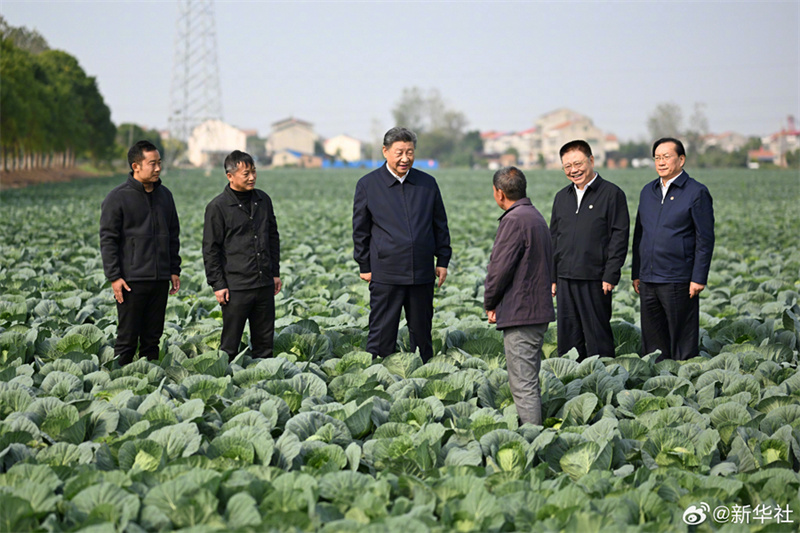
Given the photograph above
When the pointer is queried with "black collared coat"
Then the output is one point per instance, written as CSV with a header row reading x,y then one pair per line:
x,y
398,228
241,245
517,285
139,233
590,243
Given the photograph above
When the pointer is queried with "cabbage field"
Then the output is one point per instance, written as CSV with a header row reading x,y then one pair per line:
x,y
320,438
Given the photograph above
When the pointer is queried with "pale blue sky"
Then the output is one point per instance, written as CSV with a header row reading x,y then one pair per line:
x,y
340,65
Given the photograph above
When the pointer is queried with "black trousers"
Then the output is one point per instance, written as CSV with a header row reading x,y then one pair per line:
x,y
670,320
257,306
141,320
385,303
584,318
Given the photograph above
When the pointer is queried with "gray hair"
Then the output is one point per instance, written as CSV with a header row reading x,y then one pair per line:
x,y
511,181
398,134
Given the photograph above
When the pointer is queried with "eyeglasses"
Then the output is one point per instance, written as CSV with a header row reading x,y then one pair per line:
x,y
663,158
577,166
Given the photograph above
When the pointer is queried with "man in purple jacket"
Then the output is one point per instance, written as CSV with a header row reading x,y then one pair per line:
x,y
517,289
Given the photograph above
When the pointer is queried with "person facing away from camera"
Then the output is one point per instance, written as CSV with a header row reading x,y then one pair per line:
x,y
517,289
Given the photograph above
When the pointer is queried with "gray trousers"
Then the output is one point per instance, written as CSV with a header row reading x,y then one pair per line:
x,y
523,346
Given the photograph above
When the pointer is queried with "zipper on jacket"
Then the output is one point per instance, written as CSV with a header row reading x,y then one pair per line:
x,y
410,233
658,224
153,233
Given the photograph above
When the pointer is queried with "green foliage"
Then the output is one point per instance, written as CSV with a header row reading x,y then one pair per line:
x,y
321,437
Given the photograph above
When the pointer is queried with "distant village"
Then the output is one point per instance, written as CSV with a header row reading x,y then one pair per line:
x,y
292,142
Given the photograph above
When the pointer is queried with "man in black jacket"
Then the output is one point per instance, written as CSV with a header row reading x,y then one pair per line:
x,y
517,289
589,224
399,226
139,243
241,253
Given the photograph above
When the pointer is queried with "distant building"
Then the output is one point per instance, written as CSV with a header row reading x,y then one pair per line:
x,y
727,142
541,144
558,127
781,142
343,147
213,140
293,158
291,134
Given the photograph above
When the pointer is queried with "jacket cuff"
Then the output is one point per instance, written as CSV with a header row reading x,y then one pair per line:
x,y
444,263
218,286
364,268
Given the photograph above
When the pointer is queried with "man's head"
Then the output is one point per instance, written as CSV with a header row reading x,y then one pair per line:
x,y
145,162
398,149
509,185
241,171
669,156
578,162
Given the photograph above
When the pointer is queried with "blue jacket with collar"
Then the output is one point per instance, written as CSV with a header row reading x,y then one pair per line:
x,y
398,228
673,238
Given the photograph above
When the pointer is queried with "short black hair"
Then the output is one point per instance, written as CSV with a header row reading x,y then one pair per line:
x,y
235,158
136,153
398,134
678,145
577,144
511,181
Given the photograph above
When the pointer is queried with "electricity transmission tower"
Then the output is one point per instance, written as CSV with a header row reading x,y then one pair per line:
x,y
195,94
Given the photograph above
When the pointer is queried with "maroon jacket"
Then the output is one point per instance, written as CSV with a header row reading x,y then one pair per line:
x,y
518,277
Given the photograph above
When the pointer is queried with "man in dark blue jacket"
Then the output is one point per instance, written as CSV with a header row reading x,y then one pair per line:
x,y
517,289
673,240
241,254
139,243
399,226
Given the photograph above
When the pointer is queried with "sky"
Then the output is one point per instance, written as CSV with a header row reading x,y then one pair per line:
x,y
343,65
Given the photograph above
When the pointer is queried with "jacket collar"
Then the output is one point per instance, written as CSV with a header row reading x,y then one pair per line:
x,y
133,182
521,201
233,200
390,180
680,181
596,184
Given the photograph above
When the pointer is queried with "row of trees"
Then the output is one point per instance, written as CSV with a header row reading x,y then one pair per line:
x,y
52,112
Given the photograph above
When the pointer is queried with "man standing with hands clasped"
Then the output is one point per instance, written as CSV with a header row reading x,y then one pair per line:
x,y
241,253
673,240
399,226
589,225
517,289
139,243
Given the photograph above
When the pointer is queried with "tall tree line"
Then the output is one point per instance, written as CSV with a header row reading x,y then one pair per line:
x,y
51,112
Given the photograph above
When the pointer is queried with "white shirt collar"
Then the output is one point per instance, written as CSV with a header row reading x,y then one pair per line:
x,y
398,178
665,186
585,186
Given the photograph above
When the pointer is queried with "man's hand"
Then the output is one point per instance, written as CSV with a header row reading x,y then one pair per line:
x,y
176,283
117,286
223,295
278,285
492,316
636,285
366,276
553,290
607,288
441,273
695,289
